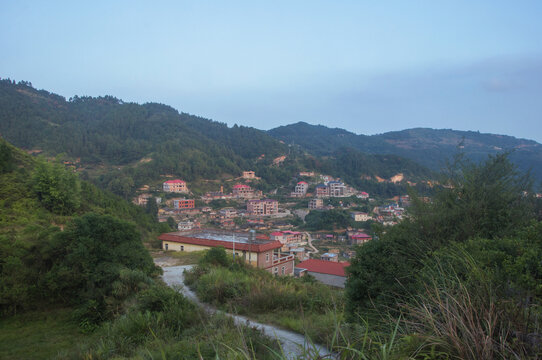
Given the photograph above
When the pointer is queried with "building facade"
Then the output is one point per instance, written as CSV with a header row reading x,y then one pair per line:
x,y
176,186
258,251
181,204
262,207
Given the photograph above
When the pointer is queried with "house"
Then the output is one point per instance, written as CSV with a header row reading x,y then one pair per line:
x,y
258,251
360,216
249,175
262,207
306,173
360,238
176,186
336,188
300,189
287,237
327,272
316,203
330,257
142,199
242,191
322,190
185,225
227,213
363,195
181,204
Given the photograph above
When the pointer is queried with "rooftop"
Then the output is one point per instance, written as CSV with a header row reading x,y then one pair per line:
x,y
324,267
206,237
176,181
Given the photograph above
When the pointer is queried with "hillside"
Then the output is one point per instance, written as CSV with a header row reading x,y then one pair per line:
x,y
105,135
427,147
38,200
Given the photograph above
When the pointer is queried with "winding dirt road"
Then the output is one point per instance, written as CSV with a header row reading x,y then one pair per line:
x,y
294,345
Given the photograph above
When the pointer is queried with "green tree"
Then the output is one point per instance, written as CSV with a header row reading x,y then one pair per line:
x,y
480,200
91,253
57,189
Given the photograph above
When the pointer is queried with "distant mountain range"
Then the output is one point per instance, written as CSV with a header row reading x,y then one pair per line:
x,y
121,146
427,147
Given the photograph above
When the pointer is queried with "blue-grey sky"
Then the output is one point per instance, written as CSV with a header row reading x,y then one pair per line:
x,y
366,66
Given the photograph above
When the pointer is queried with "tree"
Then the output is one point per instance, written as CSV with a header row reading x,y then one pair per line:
x,y
478,200
56,188
91,253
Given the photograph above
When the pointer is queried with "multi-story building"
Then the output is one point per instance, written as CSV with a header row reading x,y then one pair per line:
x,y
360,238
262,207
176,186
242,191
316,203
287,237
181,204
300,189
336,188
322,190
227,213
360,216
258,251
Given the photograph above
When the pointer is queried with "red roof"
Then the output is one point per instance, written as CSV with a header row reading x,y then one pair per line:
x,y
215,243
364,193
324,267
240,186
276,233
302,182
361,236
177,181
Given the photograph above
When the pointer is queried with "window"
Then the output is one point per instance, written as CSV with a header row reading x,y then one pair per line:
x,y
182,248
276,270
166,246
283,270
266,257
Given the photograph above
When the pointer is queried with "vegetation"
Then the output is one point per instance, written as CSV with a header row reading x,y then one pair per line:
x,y
122,146
240,288
460,273
428,147
89,290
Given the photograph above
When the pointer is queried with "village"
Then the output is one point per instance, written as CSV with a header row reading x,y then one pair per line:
x,y
267,230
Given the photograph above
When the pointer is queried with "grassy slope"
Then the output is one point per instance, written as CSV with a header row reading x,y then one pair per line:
x,y
38,335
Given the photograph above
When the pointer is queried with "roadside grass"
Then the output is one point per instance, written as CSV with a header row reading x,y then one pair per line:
x,y
186,258
38,334
309,308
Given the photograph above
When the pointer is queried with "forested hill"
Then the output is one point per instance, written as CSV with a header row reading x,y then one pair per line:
x,y
106,130
146,142
42,265
428,147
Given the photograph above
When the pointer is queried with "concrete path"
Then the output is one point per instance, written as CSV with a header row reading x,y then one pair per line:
x,y
294,345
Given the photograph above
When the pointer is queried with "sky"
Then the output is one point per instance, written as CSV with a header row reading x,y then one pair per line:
x,y
365,66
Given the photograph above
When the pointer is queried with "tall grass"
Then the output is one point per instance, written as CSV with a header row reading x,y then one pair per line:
x,y
459,312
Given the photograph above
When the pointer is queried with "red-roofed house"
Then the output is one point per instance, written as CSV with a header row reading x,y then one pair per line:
x,y
242,191
300,189
327,272
176,186
360,238
259,251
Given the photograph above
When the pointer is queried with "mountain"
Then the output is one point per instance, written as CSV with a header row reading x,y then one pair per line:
x,y
428,147
122,146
